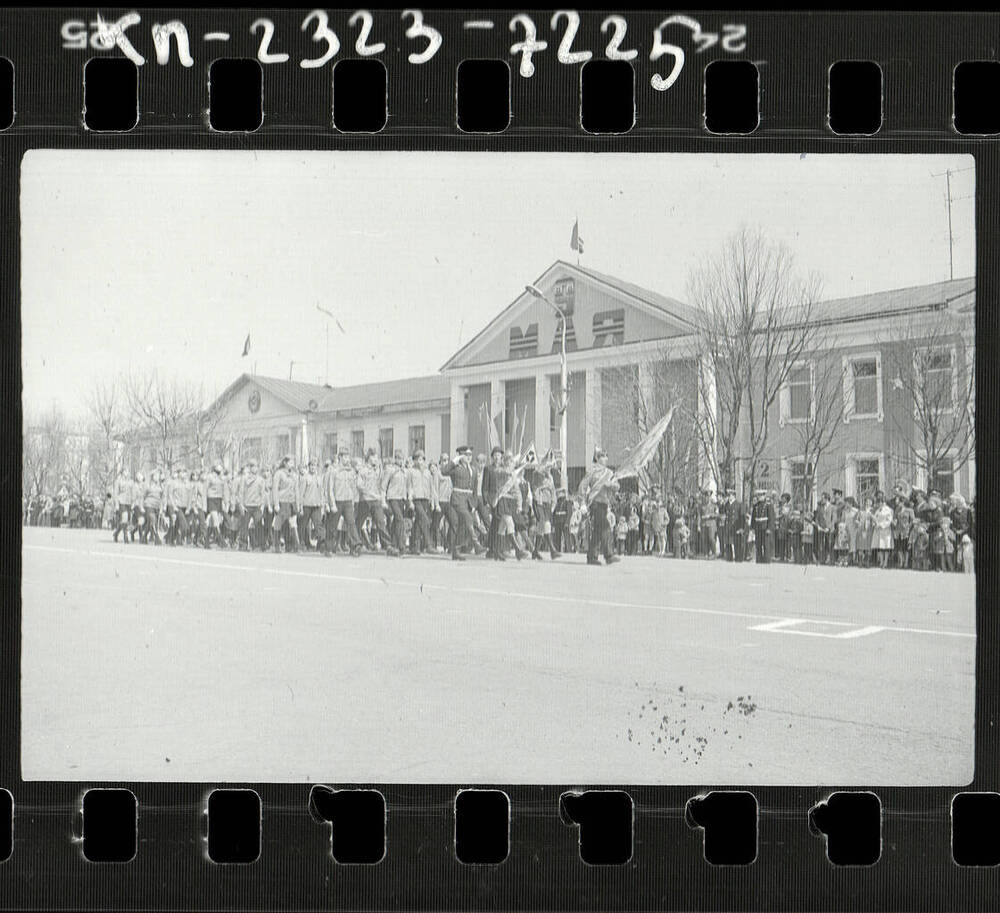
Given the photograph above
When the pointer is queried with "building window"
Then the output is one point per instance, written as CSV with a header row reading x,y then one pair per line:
x,y
803,485
385,443
283,445
864,475
936,385
330,445
944,476
523,344
863,386
417,438
800,393
358,444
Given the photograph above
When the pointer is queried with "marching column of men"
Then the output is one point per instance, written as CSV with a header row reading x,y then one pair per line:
x,y
402,506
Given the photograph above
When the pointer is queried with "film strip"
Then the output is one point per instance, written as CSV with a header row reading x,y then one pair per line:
x,y
799,715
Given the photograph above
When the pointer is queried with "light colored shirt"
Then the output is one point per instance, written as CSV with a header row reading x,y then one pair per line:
x,y
311,490
395,483
370,483
419,483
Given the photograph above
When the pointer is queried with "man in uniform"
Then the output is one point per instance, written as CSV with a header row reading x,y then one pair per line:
x,y
395,485
341,500
175,496
463,502
312,499
483,505
490,481
422,494
196,507
252,498
285,498
123,494
825,529
758,517
372,498
595,488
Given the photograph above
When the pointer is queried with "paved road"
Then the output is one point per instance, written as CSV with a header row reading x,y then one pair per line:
x,y
151,663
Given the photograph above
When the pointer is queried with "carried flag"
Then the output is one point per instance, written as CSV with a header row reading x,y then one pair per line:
x,y
643,452
513,480
576,242
491,426
246,347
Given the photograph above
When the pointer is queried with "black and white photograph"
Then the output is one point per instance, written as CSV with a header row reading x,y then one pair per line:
x,y
468,467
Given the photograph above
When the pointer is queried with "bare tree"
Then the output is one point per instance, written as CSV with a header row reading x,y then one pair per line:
x,y
756,323
931,366
43,451
113,429
643,391
817,431
204,428
162,407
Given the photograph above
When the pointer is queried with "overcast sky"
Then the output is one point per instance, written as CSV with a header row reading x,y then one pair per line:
x,y
169,259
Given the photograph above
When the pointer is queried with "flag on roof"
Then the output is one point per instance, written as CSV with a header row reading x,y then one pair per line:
x,y
576,242
246,347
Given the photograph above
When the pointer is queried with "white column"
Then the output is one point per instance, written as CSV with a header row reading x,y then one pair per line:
x,y
498,400
543,434
592,414
457,415
305,440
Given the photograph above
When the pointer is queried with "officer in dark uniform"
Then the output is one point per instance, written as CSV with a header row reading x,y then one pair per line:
x,y
759,519
463,501
492,479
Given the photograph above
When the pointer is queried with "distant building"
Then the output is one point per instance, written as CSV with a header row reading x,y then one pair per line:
x,y
622,337
266,418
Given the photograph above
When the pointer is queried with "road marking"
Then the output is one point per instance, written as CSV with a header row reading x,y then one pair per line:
x,y
480,591
789,626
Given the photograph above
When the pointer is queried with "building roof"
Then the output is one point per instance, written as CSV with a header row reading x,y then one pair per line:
x,y
897,300
671,307
390,392
304,397
301,396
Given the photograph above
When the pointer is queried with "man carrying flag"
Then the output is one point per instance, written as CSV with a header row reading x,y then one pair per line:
x,y
595,488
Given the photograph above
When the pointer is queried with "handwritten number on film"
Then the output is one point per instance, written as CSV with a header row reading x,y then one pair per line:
x,y
669,39
732,40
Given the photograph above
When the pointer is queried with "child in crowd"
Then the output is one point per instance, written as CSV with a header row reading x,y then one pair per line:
x,y
919,544
573,527
808,532
842,544
968,555
943,545
621,534
632,530
681,536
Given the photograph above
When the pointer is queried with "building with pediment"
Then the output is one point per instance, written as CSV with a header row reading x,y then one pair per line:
x,y
620,336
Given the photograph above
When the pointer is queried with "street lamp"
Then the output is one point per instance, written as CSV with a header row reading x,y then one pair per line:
x,y
563,384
